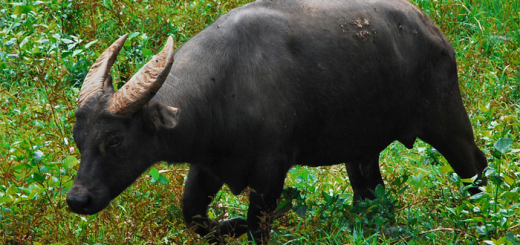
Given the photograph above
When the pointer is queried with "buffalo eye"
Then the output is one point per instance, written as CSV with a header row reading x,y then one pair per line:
x,y
113,141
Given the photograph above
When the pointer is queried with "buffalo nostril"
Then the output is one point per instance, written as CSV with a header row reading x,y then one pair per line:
x,y
77,203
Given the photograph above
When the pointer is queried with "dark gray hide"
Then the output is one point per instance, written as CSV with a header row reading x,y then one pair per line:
x,y
277,83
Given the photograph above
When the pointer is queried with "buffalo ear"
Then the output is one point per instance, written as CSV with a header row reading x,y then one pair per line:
x,y
162,116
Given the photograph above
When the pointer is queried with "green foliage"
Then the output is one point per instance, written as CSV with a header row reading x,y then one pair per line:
x,y
47,47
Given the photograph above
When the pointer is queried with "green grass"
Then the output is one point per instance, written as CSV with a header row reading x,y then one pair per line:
x,y
47,47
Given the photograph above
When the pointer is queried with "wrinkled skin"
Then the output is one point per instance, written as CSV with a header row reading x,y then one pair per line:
x,y
274,84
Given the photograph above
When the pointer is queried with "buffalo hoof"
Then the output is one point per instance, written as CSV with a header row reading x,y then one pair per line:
x,y
234,227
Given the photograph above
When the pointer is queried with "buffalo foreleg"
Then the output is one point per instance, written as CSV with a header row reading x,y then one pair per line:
x,y
199,191
201,187
364,177
266,187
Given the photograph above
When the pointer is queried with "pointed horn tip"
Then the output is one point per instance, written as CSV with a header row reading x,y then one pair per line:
x,y
170,43
121,40
171,52
113,50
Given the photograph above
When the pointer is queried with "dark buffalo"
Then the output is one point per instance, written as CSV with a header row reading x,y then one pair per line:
x,y
270,85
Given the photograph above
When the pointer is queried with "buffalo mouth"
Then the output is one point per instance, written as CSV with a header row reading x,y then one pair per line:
x,y
82,201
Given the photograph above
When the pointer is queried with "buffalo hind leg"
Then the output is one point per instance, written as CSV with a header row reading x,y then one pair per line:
x,y
199,191
449,131
364,177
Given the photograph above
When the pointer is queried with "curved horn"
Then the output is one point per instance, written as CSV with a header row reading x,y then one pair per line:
x,y
100,71
144,84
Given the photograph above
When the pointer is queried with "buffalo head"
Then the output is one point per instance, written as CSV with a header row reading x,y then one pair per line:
x,y
112,127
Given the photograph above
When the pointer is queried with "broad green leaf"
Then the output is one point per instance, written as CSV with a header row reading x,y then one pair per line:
x,y
76,52
21,167
501,240
512,239
65,54
300,211
508,180
446,169
508,117
284,206
90,44
71,46
10,43
469,180
67,41
34,191
70,161
38,155
512,196
44,169
489,171
143,37
478,196
22,9
403,189
484,108
162,179
38,177
326,196
24,41
147,52
474,219
12,190
380,191
135,34
154,173
503,145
